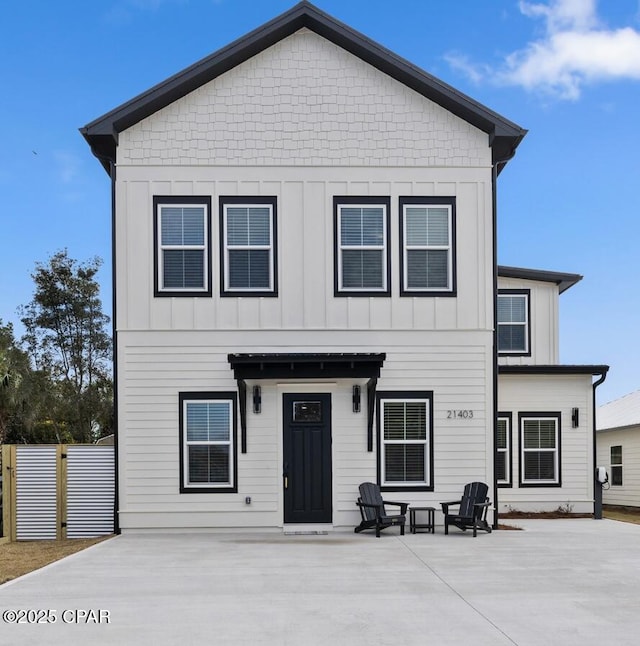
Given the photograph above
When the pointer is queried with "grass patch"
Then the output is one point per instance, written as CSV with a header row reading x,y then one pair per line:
x,y
624,514
22,557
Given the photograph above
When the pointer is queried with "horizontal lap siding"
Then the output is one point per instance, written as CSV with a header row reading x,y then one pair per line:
x,y
155,367
629,440
551,394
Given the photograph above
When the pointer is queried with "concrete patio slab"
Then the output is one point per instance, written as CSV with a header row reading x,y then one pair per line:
x,y
559,582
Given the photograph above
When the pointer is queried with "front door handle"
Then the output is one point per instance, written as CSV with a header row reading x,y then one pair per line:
x,y
286,482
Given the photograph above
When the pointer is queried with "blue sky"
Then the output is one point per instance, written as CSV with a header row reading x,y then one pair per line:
x,y
567,70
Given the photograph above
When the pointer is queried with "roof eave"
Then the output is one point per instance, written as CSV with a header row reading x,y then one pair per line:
x,y
562,279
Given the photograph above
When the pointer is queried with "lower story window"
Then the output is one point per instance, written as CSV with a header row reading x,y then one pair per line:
x,y
503,450
616,466
207,441
540,449
405,439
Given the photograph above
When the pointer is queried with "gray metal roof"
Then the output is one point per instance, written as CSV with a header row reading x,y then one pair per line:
x,y
102,133
554,369
619,413
563,280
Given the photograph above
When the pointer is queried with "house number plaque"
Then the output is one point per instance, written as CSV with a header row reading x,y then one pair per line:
x,y
459,414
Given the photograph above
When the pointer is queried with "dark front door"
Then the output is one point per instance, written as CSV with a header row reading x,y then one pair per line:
x,y
307,458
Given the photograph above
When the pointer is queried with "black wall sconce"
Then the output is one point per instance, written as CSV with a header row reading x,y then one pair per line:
x,y
575,418
356,399
257,399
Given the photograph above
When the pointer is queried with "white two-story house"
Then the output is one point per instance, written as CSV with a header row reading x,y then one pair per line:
x,y
305,282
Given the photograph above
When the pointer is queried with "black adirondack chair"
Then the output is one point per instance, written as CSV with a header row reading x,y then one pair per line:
x,y
472,509
373,512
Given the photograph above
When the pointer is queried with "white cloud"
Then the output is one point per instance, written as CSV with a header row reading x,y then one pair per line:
x,y
67,166
576,50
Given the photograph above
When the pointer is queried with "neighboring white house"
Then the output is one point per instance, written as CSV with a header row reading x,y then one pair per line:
x,y
305,287
618,438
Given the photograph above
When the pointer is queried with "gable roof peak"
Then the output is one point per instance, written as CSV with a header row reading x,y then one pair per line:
x,y
102,133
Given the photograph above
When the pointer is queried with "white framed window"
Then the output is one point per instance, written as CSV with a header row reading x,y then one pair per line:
x,y
182,246
503,449
539,449
427,228
405,440
248,235
513,322
616,466
207,442
362,249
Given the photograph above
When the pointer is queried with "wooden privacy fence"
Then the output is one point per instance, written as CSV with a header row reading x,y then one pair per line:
x,y
53,491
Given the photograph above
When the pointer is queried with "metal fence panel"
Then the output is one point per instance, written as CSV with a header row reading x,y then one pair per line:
x,y
36,492
90,490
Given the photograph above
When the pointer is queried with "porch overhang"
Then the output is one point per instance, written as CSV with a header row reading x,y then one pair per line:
x,y
306,365
303,365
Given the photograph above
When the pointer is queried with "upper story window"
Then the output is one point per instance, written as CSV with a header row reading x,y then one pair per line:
x,y
513,322
427,232
361,246
248,246
182,246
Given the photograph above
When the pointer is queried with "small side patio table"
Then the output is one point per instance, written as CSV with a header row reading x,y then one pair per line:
x,y
429,525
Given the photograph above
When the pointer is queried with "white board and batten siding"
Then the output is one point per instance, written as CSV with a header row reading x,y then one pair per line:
x,y
551,394
544,323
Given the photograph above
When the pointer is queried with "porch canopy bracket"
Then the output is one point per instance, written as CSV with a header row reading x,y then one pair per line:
x,y
306,365
371,407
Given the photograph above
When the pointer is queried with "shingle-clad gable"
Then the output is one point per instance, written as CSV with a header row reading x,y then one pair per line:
x,y
103,133
305,102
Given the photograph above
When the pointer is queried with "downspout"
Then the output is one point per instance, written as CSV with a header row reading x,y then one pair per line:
x,y
114,349
494,194
114,341
597,496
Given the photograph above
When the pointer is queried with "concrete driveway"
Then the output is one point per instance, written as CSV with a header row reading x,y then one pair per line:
x,y
559,582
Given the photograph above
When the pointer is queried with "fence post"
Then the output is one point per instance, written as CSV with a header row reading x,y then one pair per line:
x,y
9,492
62,491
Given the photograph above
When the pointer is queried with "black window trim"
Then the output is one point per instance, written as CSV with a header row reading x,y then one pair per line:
x,y
341,200
539,415
507,484
404,395
161,200
207,396
256,200
518,292
449,201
